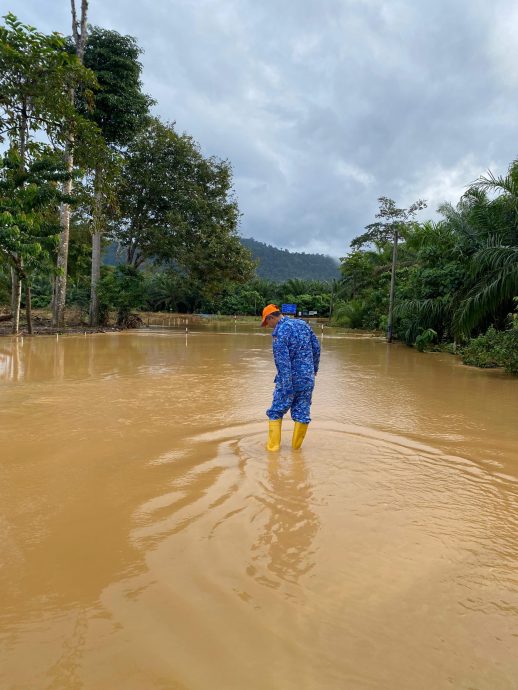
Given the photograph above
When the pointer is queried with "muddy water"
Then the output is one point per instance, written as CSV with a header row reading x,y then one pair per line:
x,y
148,541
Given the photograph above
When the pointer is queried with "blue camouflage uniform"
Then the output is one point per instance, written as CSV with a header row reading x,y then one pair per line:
x,y
296,352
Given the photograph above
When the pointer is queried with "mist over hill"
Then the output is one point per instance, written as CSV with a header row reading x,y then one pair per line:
x,y
280,264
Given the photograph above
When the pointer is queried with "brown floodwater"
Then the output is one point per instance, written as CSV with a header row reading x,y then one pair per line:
x,y
149,542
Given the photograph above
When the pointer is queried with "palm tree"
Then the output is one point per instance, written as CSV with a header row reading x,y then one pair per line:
x,y
495,265
496,268
506,187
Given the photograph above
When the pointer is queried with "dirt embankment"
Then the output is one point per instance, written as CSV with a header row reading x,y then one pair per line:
x,y
76,321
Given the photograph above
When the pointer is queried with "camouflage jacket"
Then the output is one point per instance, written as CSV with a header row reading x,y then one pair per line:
x,y
296,352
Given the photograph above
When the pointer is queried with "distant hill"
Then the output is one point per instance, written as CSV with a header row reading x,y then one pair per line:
x,y
275,264
280,264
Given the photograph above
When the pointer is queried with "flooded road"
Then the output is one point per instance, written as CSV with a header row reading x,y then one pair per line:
x,y
149,542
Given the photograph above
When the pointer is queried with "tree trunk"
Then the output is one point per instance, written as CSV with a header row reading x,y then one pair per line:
x,y
16,296
53,297
392,288
96,249
58,313
23,135
16,283
28,307
79,29
96,275
332,300
79,32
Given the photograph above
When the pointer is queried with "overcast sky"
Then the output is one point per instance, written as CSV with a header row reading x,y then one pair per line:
x,y
324,105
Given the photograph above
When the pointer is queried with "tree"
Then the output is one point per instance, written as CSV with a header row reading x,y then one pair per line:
x,y
506,187
393,222
178,207
79,34
120,110
28,219
36,76
494,266
496,270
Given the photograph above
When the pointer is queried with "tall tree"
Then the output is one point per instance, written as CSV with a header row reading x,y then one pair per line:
x,y
393,222
120,110
494,266
79,34
177,206
36,76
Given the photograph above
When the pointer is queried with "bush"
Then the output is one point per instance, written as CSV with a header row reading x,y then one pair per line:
x,y
122,289
493,349
425,339
349,314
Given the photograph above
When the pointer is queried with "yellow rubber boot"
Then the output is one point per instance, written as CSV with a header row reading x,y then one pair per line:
x,y
298,435
274,434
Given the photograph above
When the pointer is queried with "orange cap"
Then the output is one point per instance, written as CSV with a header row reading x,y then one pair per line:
x,y
269,309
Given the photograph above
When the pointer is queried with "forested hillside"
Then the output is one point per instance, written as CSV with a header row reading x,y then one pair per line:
x,y
280,264
275,264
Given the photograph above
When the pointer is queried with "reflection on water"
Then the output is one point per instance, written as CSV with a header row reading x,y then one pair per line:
x,y
149,541
285,543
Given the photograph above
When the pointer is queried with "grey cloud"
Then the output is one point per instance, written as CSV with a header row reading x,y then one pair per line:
x,y
324,106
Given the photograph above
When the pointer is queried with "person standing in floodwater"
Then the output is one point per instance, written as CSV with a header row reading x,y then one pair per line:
x,y
296,352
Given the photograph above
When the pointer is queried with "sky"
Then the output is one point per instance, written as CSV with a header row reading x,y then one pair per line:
x,y
322,106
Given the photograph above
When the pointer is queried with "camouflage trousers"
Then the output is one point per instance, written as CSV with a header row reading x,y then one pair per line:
x,y
299,404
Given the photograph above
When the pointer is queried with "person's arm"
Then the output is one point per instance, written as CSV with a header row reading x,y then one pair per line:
x,y
282,358
315,346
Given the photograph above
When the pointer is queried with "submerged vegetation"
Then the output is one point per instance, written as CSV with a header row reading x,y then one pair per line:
x,y
79,144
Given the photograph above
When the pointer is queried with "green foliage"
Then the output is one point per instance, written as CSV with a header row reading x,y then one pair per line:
x,y
240,299
425,339
78,292
41,291
120,107
496,270
170,290
493,349
456,277
29,197
121,288
37,75
249,298
350,314
184,212
5,284
392,220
